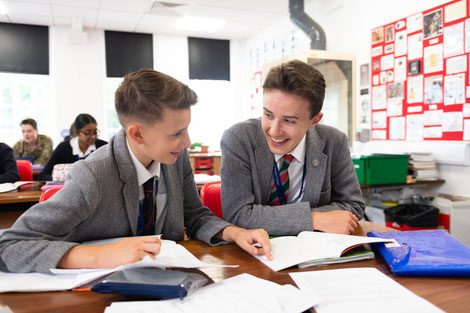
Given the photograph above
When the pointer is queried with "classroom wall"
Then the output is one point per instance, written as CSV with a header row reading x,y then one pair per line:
x,y
348,26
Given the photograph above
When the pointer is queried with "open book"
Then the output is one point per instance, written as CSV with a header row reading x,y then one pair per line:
x,y
6,187
288,251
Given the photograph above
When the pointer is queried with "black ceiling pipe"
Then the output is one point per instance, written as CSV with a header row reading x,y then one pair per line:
x,y
309,26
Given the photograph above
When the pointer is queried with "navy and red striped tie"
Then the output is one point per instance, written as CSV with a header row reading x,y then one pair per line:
x,y
284,176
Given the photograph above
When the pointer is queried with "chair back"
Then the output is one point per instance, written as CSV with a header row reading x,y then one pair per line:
x,y
49,193
211,197
26,170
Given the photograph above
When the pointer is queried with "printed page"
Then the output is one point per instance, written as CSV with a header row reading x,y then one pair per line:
x,y
242,293
360,290
288,251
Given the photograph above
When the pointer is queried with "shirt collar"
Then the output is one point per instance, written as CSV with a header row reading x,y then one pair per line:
x,y
144,174
76,148
298,152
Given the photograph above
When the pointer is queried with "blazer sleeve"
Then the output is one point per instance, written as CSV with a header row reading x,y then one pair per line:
x,y
9,169
345,191
199,221
239,185
45,232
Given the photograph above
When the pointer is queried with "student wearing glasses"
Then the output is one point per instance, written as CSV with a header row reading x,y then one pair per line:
x,y
83,142
285,172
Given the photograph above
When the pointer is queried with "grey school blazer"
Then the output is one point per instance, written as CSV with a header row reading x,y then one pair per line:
x,y
100,200
247,178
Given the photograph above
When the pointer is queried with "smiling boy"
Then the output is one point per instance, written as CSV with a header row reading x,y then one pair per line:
x,y
108,194
287,173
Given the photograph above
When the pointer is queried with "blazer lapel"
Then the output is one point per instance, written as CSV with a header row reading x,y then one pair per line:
x,y
316,166
265,166
128,176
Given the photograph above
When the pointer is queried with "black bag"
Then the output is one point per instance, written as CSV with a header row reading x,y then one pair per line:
x,y
413,215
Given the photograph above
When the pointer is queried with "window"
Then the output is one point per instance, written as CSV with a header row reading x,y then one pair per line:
x,y
112,122
211,116
23,96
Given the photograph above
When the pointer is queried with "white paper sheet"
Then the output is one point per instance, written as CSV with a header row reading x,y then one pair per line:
x,y
288,251
454,89
433,117
394,107
379,134
466,129
379,119
415,89
452,122
414,22
453,40
401,43
455,11
415,46
397,128
386,62
414,127
433,132
456,64
379,97
467,35
242,293
433,61
433,92
400,69
6,187
361,290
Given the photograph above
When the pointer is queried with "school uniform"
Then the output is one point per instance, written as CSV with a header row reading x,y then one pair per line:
x,y
67,152
330,181
100,200
8,169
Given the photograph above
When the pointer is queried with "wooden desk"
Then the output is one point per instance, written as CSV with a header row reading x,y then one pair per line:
x,y
450,294
25,193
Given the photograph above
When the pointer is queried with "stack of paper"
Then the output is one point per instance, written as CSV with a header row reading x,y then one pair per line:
x,y
242,293
171,255
360,290
422,166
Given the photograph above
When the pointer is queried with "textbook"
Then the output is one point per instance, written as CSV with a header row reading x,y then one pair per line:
x,y
425,253
355,254
308,246
6,187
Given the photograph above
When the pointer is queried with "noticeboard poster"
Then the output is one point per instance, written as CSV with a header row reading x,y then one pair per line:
x,y
420,78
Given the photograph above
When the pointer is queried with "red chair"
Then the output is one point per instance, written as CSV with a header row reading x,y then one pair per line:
x,y
210,196
26,170
49,193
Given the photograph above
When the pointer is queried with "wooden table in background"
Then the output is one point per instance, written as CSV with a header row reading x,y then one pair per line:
x,y
25,193
448,293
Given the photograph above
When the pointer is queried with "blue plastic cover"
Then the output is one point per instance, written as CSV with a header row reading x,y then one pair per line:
x,y
425,253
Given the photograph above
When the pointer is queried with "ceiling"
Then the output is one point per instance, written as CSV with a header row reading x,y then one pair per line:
x,y
243,17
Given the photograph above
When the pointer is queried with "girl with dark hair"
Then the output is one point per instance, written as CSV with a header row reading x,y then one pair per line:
x,y
77,147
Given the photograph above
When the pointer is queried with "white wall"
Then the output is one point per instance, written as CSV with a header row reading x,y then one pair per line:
x,y
348,26
77,74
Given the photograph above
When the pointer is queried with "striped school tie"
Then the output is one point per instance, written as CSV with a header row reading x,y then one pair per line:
x,y
284,176
148,208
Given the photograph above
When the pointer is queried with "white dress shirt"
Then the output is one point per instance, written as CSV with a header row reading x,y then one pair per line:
x,y
76,148
295,170
144,174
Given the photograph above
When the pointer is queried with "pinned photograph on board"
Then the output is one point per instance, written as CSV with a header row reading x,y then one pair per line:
x,y
365,76
395,90
389,33
376,66
433,89
414,67
377,35
432,24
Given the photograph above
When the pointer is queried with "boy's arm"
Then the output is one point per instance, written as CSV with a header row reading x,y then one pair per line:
x,y
124,251
238,194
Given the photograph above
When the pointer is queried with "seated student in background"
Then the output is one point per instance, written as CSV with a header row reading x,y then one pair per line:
x,y
33,144
140,184
8,169
287,173
78,147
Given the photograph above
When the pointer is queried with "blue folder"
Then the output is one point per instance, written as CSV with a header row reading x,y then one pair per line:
x,y
425,253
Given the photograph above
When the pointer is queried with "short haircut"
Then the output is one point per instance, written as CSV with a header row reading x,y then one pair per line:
x,y
144,94
29,121
298,78
82,120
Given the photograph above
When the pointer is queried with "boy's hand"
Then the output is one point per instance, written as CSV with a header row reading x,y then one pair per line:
x,y
124,251
337,221
254,241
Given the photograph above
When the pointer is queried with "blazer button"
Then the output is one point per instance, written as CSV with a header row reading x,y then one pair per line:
x,y
316,162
